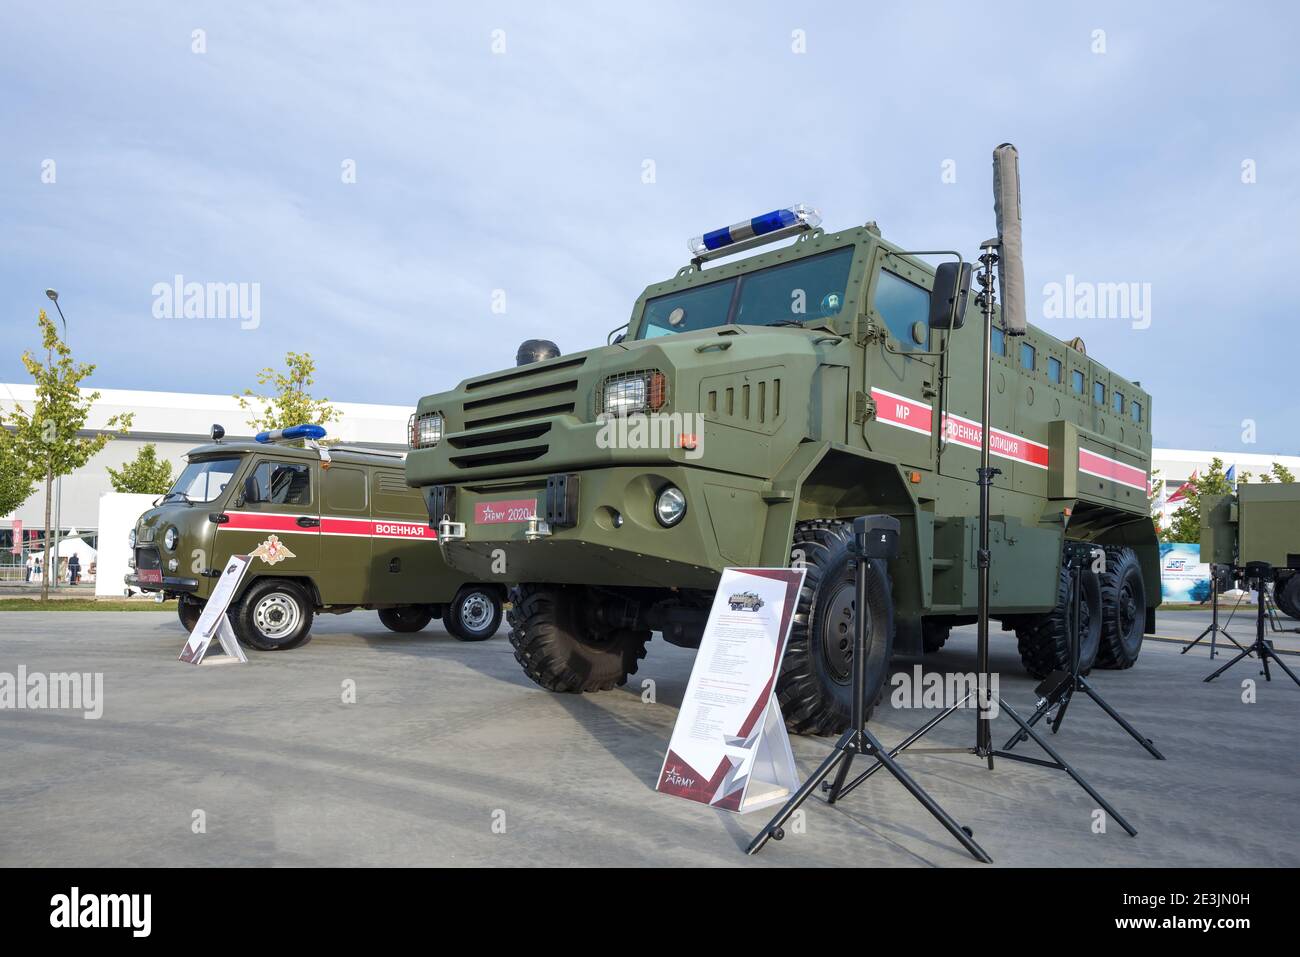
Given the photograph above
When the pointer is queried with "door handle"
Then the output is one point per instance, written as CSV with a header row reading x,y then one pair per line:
x,y
306,522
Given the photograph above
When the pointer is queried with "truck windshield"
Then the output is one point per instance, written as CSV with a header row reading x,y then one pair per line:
x,y
203,481
809,288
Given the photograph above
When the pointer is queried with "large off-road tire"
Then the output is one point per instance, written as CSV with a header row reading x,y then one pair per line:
x,y
1044,640
1287,595
189,610
1123,609
815,687
273,615
474,614
406,619
934,634
560,647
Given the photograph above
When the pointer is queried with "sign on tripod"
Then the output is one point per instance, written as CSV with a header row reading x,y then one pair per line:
x,y
214,622
729,748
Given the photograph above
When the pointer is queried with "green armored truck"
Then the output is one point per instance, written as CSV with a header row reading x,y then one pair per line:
x,y
744,601
748,411
328,531
1261,523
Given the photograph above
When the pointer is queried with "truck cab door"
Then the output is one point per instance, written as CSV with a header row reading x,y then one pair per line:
x,y
274,517
901,383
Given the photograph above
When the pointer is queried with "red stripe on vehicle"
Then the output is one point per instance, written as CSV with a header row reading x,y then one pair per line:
x,y
903,412
1008,445
348,527
1092,463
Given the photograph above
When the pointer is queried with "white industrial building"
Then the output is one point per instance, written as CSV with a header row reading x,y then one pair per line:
x,y
177,421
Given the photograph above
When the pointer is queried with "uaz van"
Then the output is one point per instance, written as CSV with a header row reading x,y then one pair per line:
x,y
328,531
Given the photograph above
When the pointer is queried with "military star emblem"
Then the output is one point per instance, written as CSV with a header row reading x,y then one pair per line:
x,y
272,551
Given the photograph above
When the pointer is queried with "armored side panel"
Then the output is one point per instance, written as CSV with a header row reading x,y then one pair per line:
x,y
1269,524
1219,529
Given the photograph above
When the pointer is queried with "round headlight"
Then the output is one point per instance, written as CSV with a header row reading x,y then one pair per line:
x,y
130,538
670,506
170,539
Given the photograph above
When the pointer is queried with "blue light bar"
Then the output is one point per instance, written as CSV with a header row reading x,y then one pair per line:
x,y
291,433
768,227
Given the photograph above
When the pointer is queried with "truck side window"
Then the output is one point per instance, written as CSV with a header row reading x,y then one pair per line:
x,y
283,483
1136,409
998,344
1117,402
1099,392
901,304
1027,356
1076,381
1054,369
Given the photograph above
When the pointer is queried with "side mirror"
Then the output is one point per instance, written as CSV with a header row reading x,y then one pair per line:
x,y
951,291
249,494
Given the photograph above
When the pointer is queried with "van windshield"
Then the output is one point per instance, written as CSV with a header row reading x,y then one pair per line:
x,y
810,288
203,481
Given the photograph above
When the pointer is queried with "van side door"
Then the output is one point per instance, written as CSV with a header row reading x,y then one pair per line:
x,y
346,531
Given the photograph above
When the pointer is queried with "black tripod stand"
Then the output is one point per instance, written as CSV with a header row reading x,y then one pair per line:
x,y
1214,629
1261,573
873,537
1058,688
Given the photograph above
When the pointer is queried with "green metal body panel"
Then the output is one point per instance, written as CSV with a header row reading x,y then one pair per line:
x,y
1261,523
825,420
371,544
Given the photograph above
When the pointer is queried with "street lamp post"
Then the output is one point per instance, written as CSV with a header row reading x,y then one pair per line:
x,y
52,553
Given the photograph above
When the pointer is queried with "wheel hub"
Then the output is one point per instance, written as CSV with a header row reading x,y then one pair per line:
x,y
476,612
276,615
837,631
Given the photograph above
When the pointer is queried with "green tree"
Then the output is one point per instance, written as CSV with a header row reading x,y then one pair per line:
x,y
291,403
145,474
1185,524
17,483
47,438
1278,473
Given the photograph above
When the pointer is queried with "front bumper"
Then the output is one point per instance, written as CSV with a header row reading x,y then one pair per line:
x,y
615,539
187,585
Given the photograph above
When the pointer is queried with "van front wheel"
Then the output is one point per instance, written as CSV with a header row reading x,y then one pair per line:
x,y
474,614
273,615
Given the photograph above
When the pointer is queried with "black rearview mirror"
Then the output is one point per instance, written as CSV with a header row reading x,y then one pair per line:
x,y
951,290
250,490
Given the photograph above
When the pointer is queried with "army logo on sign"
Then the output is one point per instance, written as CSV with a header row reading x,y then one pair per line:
x,y
272,551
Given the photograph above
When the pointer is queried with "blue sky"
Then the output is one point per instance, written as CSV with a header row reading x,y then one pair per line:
x,y
523,171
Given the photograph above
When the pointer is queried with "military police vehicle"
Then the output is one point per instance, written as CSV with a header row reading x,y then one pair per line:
x,y
327,531
1260,523
745,601
744,416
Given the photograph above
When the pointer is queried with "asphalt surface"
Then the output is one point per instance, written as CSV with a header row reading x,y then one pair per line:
x,y
450,756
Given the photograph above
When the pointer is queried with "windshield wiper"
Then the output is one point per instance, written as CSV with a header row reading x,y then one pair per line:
x,y
181,495
786,322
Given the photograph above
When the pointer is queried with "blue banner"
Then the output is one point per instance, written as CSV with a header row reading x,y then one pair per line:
x,y
1183,576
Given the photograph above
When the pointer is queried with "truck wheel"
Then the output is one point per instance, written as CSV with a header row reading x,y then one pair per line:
x,y
559,646
1286,593
406,619
474,614
933,634
1045,639
189,610
815,686
1123,609
273,615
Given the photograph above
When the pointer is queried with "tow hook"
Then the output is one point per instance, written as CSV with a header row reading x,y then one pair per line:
x,y
537,528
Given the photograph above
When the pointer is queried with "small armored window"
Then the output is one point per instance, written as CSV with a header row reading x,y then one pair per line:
x,y
1054,369
1076,381
1099,392
1027,356
1117,403
1136,409
999,344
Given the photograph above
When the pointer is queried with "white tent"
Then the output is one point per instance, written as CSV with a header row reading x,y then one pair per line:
x,y
64,550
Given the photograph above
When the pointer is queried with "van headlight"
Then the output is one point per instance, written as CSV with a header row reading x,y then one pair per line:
x,y
170,539
670,506
630,392
130,538
426,430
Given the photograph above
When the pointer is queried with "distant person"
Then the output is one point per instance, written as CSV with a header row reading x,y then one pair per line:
x,y
27,570
74,569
